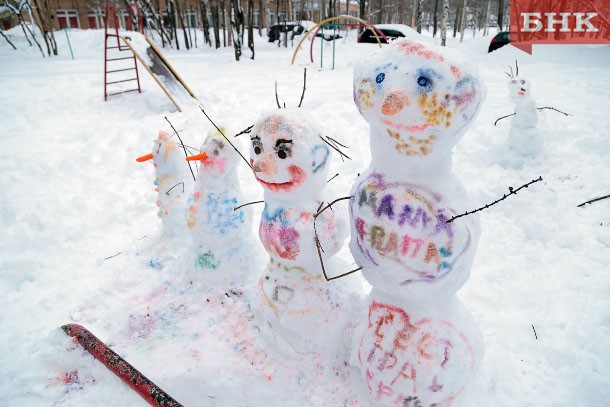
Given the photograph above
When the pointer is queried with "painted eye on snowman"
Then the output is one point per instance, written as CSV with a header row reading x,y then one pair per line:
x,y
380,77
522,82
158,148
257,145
425,83
514,81
283,149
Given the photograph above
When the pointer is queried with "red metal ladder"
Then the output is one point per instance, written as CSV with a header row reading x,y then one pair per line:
x,y
111,13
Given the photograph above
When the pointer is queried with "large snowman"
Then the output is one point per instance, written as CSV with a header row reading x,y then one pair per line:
x,y
419,346
172,179
219,232
294,305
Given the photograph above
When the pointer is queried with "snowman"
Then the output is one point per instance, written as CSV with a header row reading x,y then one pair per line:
x,y
172,179
524,138
419,346
218,231
294,306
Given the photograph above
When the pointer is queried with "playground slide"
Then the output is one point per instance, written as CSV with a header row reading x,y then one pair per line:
x,y
160,69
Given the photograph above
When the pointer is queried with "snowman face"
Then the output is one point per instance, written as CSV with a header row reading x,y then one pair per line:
x,y
221,158
288,157
417,96
163,153
519,89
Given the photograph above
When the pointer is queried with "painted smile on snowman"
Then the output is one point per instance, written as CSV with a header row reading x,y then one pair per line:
x,y
267,167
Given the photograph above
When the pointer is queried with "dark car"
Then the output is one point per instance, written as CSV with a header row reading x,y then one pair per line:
x,y
391,31
275,32
501,39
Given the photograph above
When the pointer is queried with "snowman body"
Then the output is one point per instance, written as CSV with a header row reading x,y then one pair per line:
x,y
294,305
172,179
418,344
217,229
524,137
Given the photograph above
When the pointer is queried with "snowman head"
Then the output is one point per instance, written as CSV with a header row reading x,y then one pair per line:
x,y
288,156
217,156
163,155
418,99
518,89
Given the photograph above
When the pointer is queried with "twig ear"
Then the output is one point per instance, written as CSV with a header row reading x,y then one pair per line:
x,y
517,66
304,83
277,100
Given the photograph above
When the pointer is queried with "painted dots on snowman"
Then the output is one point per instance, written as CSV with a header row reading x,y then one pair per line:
x,y
419,100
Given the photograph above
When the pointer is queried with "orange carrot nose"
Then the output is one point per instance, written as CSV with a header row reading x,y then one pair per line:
x,y
144,158
202,156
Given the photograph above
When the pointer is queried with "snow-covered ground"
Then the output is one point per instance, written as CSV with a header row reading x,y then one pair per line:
x,y
80,238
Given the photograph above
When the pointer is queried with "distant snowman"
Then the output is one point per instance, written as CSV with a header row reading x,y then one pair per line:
x,y
172,179
218,230
524,138
294,304
419,345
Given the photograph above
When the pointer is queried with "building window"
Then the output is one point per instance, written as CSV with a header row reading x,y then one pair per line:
x,y
68,19
191,18
96,19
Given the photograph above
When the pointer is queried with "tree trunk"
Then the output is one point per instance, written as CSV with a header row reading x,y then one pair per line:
x,y
420,5
216,21
500,14
361,13
463,21
180,14
238,26
223,23
444,18
251,26
205,23
457,22
262,17
435,18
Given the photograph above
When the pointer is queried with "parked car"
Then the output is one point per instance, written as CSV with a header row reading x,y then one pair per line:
x,y
501,39
391,31
276,31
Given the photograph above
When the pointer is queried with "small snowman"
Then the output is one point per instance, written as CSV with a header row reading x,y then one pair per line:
x,y
419,345
524,138
294,304
172,179
218,230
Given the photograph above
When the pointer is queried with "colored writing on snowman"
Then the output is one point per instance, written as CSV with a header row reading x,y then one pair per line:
x,y
398,354
403,222
278,233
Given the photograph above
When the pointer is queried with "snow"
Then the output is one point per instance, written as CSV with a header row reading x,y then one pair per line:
x,y
81,239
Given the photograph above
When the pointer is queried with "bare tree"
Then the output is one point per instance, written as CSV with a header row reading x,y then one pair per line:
x,y
463,20
251,26
435,18
204,22
180,17
500,14
215,21
237,22
444,18
420,5
17,8
44,18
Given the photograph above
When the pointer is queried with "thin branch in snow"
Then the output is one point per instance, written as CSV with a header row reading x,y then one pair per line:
x,y
277,100
246,131
535,334
169,190
318,212
512,192
552,108
114,255
304,83
246,204
334,176
181,142
504,117
593,200
332,145
225,137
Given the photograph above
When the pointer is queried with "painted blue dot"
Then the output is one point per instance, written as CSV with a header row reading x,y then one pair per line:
x,y
380,78
425,83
